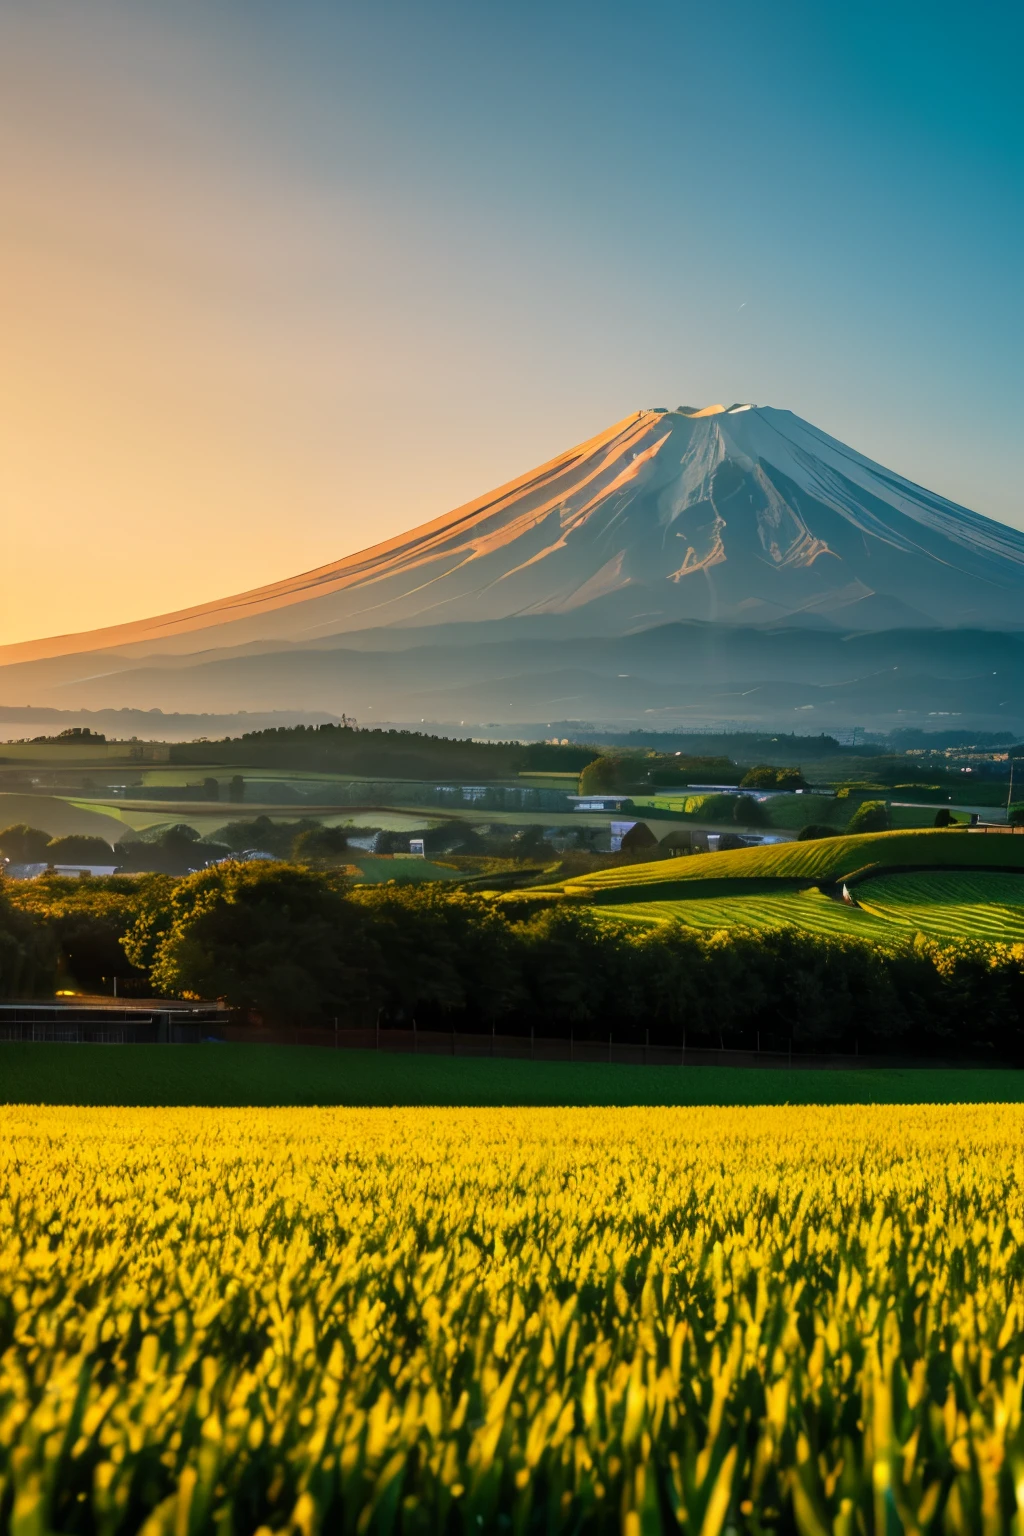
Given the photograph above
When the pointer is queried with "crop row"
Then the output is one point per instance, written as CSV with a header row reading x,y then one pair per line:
x,y
810,912
971,905
828,858
959,905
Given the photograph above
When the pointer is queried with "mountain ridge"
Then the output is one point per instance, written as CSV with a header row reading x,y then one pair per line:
x,y
733,518
773,517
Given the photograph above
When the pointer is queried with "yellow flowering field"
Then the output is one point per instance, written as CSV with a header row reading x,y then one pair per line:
x,y
636,1320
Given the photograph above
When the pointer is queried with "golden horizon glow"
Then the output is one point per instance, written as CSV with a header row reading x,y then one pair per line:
x,y
281,283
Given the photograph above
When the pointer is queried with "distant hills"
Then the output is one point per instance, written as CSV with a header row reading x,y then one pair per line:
x,y
726,562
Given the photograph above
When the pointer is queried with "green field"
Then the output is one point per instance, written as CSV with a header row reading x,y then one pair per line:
x,y
267,1075
377,871
60,817
779,886
828,859
946,906
968,905
807,910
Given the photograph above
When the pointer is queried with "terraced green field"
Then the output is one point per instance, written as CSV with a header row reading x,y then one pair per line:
x,y
376,871
778,887
828,859
809,911
975,906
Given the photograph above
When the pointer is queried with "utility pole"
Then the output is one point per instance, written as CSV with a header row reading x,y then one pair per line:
x,y
1009,795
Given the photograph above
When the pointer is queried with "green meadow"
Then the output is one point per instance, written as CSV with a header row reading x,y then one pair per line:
x,y
943,884
278,1075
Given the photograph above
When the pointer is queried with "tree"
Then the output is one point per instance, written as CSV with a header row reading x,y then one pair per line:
x,y
601,777
80,848
90,919
872,816
28,954
766,776
236,789
638,838
945,818
439,950
320,846
269,836
748,812
814,830
761,776
274,939
571,963
24,845
176,850
790,779
715,808
211,789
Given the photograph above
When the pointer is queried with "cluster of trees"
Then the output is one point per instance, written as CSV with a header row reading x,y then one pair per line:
x,y
765,776
293,945
29,953
385,754
179,849
633,772
870,816
22,844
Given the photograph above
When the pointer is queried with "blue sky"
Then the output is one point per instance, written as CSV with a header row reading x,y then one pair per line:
x,y
299,276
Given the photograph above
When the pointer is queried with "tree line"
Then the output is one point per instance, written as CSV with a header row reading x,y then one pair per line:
x,y
294,946
384,753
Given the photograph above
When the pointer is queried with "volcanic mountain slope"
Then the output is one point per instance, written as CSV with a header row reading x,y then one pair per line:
x,y
743,516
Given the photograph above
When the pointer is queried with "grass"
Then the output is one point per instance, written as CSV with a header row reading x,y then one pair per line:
x,y
57,816
809,911
825,859
377,871
979,905
232,1075
777,886
945,905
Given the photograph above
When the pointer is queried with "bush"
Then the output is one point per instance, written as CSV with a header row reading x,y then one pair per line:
x,y
261,833
748,812
79,848
714,808
320,845
1015,815
764,776
174,851
28,954
24,845
813,831
945,818
606,775
872,816
638,837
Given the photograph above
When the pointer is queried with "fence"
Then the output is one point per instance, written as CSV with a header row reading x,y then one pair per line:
x,y
455,1043
176,1024
77,1024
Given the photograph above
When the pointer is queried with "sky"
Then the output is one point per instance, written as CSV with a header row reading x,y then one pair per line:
x,y
282,281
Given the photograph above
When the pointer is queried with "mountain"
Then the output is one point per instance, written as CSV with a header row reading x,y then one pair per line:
x,y
688,524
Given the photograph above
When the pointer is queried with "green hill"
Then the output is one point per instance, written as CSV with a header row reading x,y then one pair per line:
x,y
975,905
376,871
972,886
827,859
59,817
